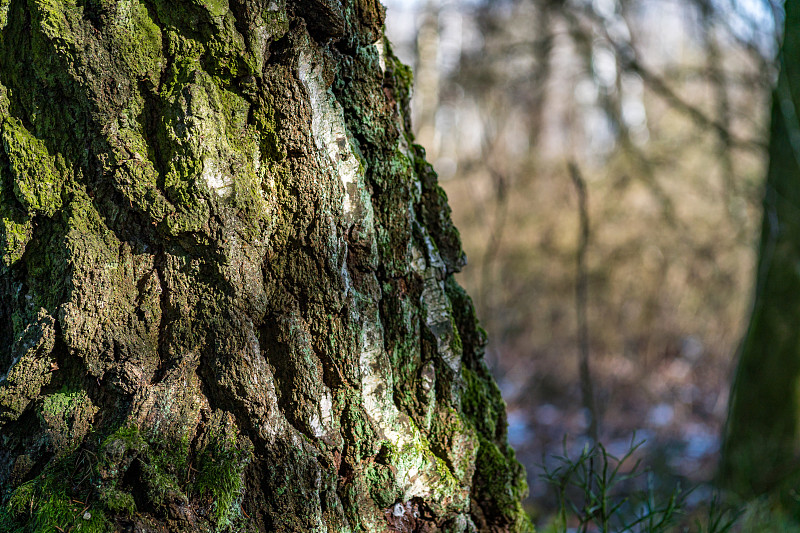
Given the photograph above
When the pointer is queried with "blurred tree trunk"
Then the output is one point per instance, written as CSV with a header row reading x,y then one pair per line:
x,y
762,441
226,293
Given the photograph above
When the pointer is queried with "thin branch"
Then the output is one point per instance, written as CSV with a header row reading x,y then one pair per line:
x,y
628,60
581,303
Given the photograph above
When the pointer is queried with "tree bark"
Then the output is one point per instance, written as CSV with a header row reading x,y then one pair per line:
x,y
226,295
762,443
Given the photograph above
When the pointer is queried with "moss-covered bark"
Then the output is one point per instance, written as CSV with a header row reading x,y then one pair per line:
x,y
226,293
762,442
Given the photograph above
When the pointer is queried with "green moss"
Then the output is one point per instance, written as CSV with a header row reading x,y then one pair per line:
x,y
139,44
215,477
454,439
14,236
481,402
127,436
499,482
54,19
52,15
416,456
4,5
19,321
68,414
32,371
212,23
355,425
46,260
276,22
162,484
382,487
9,523
185,50
500,485
402,72
164,465
48,504
38,182
117,451
76,491
226,57
216,8
64,403
118,501
271,149
220,469
209,161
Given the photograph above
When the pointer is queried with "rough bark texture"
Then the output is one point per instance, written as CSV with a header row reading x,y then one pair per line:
x,y
762,442
226,293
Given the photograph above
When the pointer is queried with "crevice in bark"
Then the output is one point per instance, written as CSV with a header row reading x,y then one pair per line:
x,y
324,18
132,480
7,307
159,267
15,61
25,457
150,120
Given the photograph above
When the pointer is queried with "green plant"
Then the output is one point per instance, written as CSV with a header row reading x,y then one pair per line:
x,y
597,491
721,517
591,491
49,504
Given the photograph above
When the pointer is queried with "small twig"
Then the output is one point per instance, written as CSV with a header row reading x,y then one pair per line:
x,y
189,471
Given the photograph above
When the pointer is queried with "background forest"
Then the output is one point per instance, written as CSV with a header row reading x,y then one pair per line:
x,y
604,161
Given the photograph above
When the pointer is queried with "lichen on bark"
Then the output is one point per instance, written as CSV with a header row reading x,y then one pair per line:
x,y
226,297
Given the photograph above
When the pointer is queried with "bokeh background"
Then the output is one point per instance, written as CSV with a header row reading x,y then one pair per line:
x,y
657,111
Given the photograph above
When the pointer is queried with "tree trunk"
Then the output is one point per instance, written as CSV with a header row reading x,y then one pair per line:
x,y
762,443
227,298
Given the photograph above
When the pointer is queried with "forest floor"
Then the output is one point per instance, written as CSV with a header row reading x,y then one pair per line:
x,y
674,410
